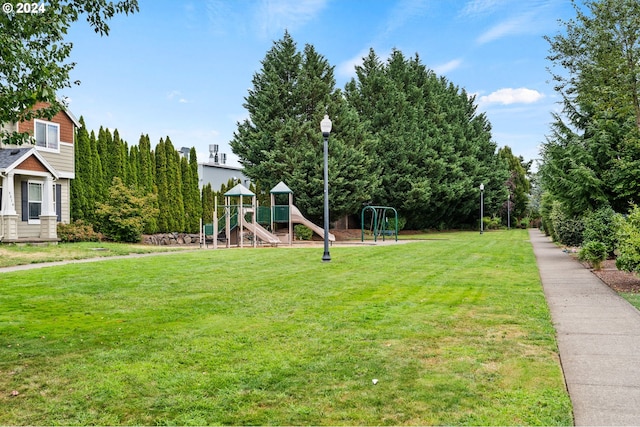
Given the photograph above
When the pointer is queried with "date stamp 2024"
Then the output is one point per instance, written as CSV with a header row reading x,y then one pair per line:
x,y
23,8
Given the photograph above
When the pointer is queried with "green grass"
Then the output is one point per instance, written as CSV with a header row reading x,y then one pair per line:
x,y
633,298
456,331
12,254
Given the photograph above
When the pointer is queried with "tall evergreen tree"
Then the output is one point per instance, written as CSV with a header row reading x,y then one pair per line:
x,y
282,141
174,188
162,182
433,149
147,172
81,186
592,157
518,183
191,193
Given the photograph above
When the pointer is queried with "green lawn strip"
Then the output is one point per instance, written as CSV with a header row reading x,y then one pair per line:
x,y
633,298
455,331
12,255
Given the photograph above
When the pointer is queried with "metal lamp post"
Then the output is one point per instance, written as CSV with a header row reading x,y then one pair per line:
x,y
325,127
509,211
481,208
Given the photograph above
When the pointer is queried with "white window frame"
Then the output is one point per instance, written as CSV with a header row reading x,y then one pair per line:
x,y
53,146
29,201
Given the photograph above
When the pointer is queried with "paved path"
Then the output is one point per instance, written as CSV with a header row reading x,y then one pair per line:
x,y
598,338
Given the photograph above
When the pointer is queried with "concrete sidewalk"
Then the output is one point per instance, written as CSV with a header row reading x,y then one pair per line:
x,y
598,338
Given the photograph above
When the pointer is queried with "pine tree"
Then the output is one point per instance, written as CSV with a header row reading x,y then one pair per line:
x,y
432,149
282,141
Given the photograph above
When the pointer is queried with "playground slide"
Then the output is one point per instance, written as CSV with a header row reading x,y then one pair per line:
x,y
297,218
260,232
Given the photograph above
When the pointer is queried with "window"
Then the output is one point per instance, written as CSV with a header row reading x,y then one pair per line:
x,y
47,134
35,200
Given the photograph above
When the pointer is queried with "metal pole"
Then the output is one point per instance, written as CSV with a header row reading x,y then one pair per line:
x,y
509,212
326,257
481,211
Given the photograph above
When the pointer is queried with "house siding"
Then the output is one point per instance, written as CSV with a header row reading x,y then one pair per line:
x,y
62,162
65,122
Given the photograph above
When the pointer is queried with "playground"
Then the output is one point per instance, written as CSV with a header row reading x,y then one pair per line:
x,y
242,222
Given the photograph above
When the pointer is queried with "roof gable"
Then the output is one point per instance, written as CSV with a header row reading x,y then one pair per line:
x,y
13,158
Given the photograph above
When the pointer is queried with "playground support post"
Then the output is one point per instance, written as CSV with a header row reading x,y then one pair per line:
x,y
325,127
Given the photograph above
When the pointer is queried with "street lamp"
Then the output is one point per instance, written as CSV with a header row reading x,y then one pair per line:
x,y
509,211
481,208
325,127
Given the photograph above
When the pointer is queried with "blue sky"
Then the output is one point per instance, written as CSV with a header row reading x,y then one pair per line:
x,y
182,68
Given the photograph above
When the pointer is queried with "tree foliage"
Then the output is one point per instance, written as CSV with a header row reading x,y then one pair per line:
x,y
35,56
281,140
432,148
592,156
518,183
125,212
169,183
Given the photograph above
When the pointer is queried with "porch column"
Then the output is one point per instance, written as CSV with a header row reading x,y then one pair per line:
x,y
9,215
48,217
8,197
48,209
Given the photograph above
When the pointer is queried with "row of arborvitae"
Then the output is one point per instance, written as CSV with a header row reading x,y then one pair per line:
x,y
124,191
601,234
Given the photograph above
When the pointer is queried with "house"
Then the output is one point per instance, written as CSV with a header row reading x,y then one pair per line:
x,y
35,179
217,173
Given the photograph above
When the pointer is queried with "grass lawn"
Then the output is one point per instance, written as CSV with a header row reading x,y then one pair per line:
x,y
634,299
11,255
456,331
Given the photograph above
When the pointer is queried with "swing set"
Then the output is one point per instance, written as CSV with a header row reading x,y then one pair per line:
x,y
379,225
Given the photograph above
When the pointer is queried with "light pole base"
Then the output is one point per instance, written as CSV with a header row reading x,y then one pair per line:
x,y
326,257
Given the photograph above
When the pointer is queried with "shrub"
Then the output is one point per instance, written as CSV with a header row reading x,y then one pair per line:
x,y
594,253
77,231
125,213
601,226
491,223
546,224
302,232
567,230
629,241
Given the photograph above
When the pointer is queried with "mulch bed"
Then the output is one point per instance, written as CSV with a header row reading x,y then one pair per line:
x,y
619,281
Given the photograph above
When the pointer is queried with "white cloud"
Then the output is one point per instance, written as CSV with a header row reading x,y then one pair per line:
x,y
448,66
177,94
406,10
276,15
509,96
516,25
347,68
479,7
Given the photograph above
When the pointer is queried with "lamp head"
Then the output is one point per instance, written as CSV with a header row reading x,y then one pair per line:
x,y
325,126
481,187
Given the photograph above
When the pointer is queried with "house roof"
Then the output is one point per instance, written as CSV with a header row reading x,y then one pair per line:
x,y
11,158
